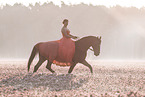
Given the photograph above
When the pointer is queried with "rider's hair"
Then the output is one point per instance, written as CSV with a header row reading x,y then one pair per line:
x,y
65,20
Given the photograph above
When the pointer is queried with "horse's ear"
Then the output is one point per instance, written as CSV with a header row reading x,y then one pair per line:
x,y
100,37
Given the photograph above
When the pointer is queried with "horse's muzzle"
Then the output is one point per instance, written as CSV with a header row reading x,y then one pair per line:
x,y
96,54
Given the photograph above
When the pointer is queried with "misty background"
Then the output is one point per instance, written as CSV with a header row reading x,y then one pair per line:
x,y
122,29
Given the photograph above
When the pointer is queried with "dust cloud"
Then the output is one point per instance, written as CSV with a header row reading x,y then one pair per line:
x,y
121,28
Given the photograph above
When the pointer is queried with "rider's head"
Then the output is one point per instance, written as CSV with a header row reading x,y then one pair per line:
x,y
65,22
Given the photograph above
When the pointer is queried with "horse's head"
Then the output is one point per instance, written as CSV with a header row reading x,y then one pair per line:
x,y
96,45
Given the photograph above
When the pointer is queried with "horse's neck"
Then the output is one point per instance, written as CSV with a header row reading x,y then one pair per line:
x,y
84,44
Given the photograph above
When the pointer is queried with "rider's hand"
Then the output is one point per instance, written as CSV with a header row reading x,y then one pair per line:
x,y
75,37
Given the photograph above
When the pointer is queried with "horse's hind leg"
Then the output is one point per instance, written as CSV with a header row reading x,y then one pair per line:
x,y
88,65
48,66
41,60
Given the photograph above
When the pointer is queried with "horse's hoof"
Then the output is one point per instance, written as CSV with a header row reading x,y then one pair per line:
x,y
30,74
69,74
54,73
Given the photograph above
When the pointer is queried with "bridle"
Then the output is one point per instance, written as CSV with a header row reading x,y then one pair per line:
x,y
91,49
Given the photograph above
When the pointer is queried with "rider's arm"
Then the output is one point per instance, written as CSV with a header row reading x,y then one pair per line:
x,y
68,35
74,37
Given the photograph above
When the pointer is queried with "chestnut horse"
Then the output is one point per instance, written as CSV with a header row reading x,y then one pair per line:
x,y
81,47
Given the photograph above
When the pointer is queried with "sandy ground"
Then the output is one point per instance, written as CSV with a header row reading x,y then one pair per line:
x,y
110,79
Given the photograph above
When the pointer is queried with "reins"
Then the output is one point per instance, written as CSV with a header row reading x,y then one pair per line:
x,y
80,38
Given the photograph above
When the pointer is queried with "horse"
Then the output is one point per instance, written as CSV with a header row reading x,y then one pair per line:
x,y
81,47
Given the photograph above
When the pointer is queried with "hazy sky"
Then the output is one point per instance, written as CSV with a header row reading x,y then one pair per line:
x,y
122,29
108,3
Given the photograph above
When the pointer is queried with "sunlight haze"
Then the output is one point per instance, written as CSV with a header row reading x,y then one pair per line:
x,y
122,28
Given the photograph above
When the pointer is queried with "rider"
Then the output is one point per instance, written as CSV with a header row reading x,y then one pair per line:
x,y
66,48
65,31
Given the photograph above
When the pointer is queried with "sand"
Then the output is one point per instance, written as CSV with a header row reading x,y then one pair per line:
x,y
110,79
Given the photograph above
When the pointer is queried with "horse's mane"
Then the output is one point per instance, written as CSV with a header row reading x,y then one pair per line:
x,y
88,38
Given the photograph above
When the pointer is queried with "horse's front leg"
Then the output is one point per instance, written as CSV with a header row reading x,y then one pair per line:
x,y
71,67
88,65
48,66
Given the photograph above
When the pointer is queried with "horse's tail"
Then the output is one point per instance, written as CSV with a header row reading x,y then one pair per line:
x,y
34,52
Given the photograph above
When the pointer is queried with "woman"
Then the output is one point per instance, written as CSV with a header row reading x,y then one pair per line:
x,y
65,31
66,48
